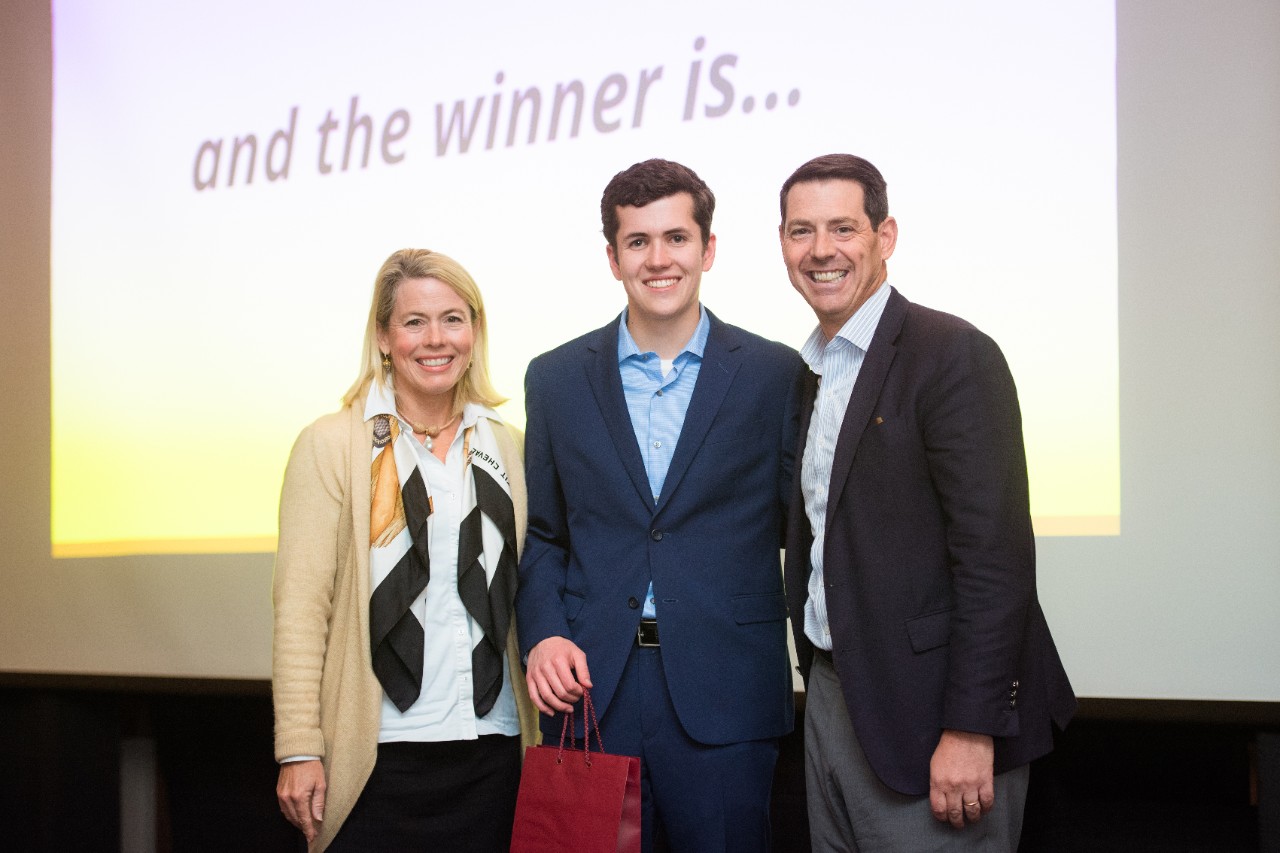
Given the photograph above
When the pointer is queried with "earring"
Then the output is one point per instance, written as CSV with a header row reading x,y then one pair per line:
x,y
386,361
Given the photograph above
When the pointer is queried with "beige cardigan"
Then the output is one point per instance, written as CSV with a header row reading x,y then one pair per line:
x,y
327,699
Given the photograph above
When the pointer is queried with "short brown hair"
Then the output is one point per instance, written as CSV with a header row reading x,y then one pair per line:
x,y
650,181
844,167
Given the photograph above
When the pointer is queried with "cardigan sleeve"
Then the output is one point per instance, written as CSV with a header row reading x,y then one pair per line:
x,y
311,507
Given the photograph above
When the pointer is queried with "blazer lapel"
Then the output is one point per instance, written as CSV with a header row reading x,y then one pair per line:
x,y
866,390
606,384
720,362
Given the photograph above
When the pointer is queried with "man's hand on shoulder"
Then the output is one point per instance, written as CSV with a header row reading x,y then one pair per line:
x,y
961,782
556,674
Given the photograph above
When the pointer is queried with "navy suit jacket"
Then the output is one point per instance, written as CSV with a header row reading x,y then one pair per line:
x,y
710,545
929,558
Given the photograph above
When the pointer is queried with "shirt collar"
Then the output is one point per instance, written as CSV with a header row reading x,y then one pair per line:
x,y
857,330
627,346
381,401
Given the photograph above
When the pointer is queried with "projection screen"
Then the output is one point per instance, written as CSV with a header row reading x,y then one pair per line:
x,y
223,186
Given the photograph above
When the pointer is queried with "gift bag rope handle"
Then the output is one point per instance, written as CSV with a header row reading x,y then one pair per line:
x,y
589,723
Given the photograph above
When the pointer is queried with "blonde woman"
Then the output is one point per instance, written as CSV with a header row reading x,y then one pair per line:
x,y
398,722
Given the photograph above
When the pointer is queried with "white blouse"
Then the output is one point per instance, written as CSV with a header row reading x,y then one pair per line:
x,y
444,709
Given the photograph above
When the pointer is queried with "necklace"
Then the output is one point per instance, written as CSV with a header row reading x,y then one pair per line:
x,y
429,432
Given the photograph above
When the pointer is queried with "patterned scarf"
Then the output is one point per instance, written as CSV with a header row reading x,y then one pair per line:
x,y
486,586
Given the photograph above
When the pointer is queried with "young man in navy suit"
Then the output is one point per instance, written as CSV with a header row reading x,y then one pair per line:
x,y
932,678
659,455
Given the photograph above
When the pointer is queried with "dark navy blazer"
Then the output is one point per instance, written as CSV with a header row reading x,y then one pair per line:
x,y
710,545
929,559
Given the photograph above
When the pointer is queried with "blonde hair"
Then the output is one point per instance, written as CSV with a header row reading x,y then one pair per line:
x,y
475,386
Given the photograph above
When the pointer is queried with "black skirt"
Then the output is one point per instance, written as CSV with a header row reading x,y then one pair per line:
x,y
448,796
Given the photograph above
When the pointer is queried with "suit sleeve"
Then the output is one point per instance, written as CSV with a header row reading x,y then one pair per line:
x,y
973,436
543,567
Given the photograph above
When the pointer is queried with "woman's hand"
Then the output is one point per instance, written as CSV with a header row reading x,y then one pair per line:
x,y
301,790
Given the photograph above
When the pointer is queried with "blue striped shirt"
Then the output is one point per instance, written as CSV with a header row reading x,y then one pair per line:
x,y
837,363
657,401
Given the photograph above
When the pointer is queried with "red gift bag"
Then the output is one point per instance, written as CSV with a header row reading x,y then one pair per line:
x,y
577,800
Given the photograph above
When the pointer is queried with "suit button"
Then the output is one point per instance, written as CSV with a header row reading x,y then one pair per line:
x,y
632,603
656,535
1013,703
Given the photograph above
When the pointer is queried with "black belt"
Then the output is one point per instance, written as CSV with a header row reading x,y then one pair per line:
x,y
647,634
825,654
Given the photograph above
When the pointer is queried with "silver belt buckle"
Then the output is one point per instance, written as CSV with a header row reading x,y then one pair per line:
x,y
647,634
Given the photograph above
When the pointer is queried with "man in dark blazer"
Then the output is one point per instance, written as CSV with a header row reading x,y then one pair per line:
x,y
931,676
658,458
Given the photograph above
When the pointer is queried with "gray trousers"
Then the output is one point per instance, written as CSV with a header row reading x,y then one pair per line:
x,y
852,811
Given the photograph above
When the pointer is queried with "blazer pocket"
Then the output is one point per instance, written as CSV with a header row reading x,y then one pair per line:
x,y
736,431
929,631
759,607
572,604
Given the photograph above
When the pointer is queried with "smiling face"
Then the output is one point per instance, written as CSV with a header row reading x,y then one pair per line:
x,y
429,338
833,257
660,260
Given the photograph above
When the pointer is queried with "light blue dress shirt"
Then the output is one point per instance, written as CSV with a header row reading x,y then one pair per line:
x,y
837,363
657,400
